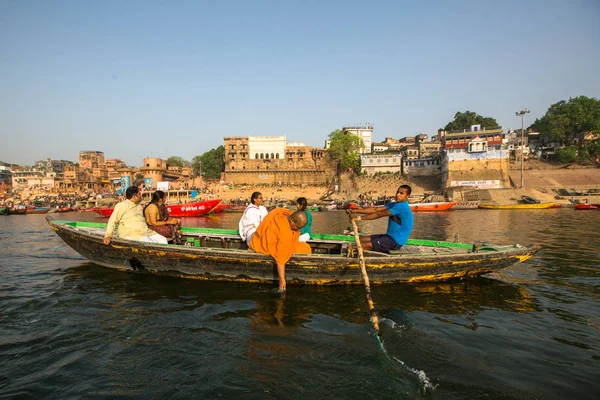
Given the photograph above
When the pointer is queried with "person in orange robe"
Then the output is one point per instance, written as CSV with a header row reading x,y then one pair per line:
x,y
277,236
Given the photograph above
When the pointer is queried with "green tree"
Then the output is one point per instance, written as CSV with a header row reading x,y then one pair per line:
x,y
566,155
594,149
175,161
565,121
464,120
210,164
344,148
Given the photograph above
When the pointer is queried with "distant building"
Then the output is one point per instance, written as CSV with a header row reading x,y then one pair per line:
x,y
90,159
5,178
56,166
363,131
427,166
379,147
270,159
371,164
475,158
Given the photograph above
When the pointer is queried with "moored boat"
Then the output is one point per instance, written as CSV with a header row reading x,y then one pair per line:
x,y
220,254
38,210
517,206
3,210
587,206
219,208
195,209
529,200
466,205
17,210
434,206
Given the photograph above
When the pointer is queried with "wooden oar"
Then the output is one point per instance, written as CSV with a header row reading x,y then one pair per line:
x,y
363,270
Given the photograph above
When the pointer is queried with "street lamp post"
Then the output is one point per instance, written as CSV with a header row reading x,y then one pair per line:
x,y
522,114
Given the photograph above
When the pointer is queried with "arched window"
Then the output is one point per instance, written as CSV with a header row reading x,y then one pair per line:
x,y
262,155
277,156
256,156
272,156
267,156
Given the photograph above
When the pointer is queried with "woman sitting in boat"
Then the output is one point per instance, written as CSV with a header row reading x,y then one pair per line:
x,y
252,217
157,217
301,203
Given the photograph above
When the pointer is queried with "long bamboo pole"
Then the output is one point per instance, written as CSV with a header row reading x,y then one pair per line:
x,y
363,270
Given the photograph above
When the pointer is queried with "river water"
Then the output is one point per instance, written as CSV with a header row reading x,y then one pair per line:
x,y
72,329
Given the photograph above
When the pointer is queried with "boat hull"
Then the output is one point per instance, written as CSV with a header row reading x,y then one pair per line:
x,y
437,206
176,210
38,210
587,206
517,206
228,260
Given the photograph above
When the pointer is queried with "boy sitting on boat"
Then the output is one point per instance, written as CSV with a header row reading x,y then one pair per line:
x,y
400,223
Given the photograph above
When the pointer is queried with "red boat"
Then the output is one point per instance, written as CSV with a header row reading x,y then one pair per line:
x,y
436,206
176,210
192,209
587,206
219,208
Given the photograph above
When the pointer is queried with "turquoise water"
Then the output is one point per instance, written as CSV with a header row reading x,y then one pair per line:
x,y
72,329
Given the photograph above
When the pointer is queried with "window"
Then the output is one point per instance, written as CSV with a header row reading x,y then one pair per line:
x,y
266,156
262,155
277,156
256,155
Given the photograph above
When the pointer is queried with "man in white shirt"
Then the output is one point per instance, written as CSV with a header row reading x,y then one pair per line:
x,y
132,224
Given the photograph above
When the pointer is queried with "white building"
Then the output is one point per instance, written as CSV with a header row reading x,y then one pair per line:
x,y
265,147
386,163
363,131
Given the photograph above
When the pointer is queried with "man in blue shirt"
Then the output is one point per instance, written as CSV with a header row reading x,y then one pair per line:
x,y
400,223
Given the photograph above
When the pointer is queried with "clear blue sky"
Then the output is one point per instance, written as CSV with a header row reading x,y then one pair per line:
x,y
163,78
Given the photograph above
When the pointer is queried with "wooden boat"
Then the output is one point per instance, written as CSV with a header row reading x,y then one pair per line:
x,y
466,205
529,200
587,206
219,208
103,211
3,210
38,210
516,206
434,206
175,210
220,254
17,210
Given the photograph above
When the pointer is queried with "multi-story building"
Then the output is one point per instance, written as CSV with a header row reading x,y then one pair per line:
x,y
426,166
363,131
90,159
475,158
371,164
33,179
379,147
270,159
429,149
56,166
5,178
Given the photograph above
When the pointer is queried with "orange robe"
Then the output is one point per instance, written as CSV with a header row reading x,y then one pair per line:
x,y
274,237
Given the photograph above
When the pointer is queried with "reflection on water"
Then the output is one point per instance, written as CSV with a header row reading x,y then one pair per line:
x,y
69,327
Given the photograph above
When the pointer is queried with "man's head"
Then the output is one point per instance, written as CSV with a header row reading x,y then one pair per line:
x,y
133,193
402,193
298,220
